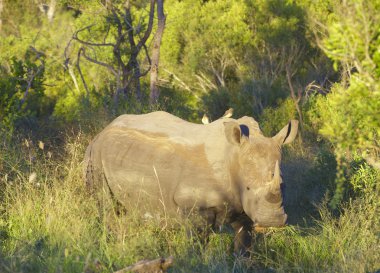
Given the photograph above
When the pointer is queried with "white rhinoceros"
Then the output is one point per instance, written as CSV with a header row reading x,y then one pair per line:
x,y
226,170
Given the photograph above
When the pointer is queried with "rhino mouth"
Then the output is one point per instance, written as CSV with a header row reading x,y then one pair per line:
x,y
260,229
271,224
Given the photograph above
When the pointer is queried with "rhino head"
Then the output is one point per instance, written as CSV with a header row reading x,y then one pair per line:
x,y
260,180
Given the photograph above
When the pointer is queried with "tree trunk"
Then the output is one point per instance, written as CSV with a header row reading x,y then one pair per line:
x,y
51,11
72,75
154,91
131,73
1,10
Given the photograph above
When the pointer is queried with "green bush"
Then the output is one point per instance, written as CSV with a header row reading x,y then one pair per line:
x,y
274,119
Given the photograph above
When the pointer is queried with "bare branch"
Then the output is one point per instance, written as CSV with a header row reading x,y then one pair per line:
x,y
150,26
67,59
128,22
38,53
109,67
72,75
158,265
296,99
149,61
30,81
106,35
81,74
75,37
119,39
181,82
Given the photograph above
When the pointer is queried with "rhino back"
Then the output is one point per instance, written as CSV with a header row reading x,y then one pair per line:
x,y
163,161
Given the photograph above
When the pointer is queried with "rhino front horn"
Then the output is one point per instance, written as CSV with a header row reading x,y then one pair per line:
x,y
276,182
274,193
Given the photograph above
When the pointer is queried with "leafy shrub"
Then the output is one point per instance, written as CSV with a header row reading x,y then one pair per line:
x,y
21,90
273,119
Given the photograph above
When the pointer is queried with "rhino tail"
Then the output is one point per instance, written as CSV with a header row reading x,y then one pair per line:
x,y
91,173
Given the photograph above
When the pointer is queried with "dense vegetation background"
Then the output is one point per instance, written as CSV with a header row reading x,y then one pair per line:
x,y
68,67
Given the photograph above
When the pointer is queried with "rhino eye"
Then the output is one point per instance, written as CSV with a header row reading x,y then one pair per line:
x,y
248,188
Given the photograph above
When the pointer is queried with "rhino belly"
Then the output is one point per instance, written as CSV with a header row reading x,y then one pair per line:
x,y
140,190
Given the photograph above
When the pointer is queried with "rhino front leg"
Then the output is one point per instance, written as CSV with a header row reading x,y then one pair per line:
x,y
243,235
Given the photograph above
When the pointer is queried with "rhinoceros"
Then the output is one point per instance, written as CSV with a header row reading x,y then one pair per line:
x,y
227,170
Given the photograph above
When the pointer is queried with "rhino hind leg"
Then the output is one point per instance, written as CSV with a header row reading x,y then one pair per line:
x,y
97,186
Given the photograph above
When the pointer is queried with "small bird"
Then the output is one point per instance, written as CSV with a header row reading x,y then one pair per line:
x,y
205,119
228,113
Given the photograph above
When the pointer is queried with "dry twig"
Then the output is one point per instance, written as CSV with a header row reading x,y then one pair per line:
x,y
159,265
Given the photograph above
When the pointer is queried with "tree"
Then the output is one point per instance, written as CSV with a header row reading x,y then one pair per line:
x,y
125,50
348,116
154,92
124,35
1,10
350,113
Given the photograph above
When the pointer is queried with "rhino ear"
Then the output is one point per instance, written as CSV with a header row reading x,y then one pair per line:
x,y
288,133
232,131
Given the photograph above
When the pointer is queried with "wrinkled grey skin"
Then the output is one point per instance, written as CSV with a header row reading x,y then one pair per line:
x,y
226,171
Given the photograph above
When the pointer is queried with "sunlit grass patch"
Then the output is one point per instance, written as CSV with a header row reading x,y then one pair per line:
x,y
349,243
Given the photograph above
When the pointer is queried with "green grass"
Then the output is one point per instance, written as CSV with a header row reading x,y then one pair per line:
x,y
52,224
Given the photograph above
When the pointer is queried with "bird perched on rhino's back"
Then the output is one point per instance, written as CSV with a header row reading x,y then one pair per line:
x,y
228,113
227,171
205,119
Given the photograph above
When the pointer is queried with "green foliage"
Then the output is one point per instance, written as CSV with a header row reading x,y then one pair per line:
x,y
21,91
350,112
273,119
192,32
364,179
278,23
181,104
348,115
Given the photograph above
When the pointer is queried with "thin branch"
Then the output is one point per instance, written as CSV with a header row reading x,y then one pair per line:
x,y
109,67
149,61
75,37
181,82
107,32
119,39
38,53
67,59
71,73
150,26
81,74
128,22
30,81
